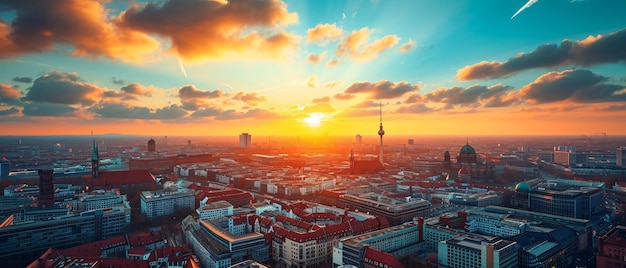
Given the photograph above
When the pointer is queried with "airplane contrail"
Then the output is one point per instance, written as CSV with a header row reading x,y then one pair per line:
x,y
527,5
182,67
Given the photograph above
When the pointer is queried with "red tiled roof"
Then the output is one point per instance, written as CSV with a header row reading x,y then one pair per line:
x,y
138,251
380,259
144,238
123,177
94,249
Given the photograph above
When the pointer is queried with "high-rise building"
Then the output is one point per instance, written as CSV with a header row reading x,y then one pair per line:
x,y
95,163
245,140
411,142
358,139
151,145
611,248
621,157
46,188
5,167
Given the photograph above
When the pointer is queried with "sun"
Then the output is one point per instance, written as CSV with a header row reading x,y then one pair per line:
x,y
314,119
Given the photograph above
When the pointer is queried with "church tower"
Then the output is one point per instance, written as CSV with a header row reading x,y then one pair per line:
x,y
95,163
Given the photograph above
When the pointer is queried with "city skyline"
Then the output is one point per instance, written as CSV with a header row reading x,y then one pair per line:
x,y
304,68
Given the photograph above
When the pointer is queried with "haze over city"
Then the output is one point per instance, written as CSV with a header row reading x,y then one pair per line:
x,y
301,68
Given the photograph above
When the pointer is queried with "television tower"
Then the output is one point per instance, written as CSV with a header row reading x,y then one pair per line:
x,y
381,132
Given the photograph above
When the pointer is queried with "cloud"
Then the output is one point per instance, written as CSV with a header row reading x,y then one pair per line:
x,y
200,30
592,50
63,88
206,112
9,111
324,33
366,104
9,95
321,100
316,58
477,95
26,80
580,86
408,46
254,113
192,98
418,108
382,89
332,84
413,98
124,111
118,81
312,81
48,109
332,63
250,98
341,96
356,45
130,92
85,26
615,108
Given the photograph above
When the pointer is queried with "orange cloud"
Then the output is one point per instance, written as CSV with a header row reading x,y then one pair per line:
x,y
324,33
316,58
406,47
210,29
356,45
84,25
250,98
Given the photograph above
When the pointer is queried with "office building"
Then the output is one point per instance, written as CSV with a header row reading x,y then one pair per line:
x,y
46,188
474,251
215,210
151,145
5,168
165,202
621,157
397,211
547,247
494,224
398,241
612,248
245,140
217,247
569,198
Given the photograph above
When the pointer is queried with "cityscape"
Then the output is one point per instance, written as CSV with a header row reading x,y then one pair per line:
x,y
304,134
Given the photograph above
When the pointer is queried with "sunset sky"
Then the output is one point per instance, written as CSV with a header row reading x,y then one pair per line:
x,y
268,67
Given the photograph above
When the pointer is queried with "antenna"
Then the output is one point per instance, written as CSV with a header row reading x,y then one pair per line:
x,y
381,112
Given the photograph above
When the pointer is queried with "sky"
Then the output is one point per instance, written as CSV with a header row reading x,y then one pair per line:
x,y
310,68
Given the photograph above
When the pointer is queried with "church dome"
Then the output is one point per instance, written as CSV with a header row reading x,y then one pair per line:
x,y
523,187
467,150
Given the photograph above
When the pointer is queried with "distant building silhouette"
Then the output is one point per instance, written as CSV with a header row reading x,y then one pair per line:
x,y
446,160
151,145
46,188
245,140
95,163
621,157
358,139
5,167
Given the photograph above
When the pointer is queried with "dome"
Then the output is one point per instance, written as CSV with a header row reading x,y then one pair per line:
x,y
467,150
523,187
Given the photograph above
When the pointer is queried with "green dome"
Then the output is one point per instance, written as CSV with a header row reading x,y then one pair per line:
x,y
523,187
467,150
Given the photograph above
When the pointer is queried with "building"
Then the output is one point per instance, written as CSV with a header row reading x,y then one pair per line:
x,y
215,210
245,140
569,198
381,132
398,241
218,247
29,240
46,188
358,139
474,251
5,167
99,200
547,247
397,211
494,224
621,157
165,202
151,145
612,248
467,155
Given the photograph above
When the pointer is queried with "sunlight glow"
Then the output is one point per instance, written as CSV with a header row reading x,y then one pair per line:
x,y
314,119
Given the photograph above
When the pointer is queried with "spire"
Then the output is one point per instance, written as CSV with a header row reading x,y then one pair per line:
x,y
381,132
466,141
94,154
